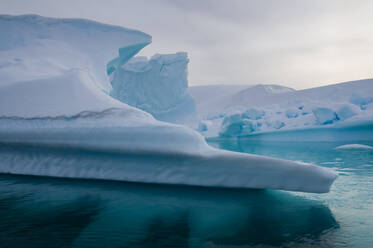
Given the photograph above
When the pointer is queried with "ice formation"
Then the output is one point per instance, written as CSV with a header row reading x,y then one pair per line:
x,y
35,47
157,86
354,147
268,108
58,119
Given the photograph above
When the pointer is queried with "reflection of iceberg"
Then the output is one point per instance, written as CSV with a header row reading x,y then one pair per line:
x,y
65,124
131,215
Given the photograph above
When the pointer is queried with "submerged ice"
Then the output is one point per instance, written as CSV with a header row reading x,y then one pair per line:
x,y
58,119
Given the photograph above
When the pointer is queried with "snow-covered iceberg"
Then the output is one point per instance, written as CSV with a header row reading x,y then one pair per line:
x,y
270,108
157,86
63,122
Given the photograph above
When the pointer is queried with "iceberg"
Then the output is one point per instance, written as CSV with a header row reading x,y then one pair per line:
x,y
64,123
277,108
354,147
157,86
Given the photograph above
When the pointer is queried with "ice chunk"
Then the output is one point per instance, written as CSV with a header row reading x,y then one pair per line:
x,y
253,114
203,126
361,100
346,111
157,86
354,146
235,125
291,113
324,116
125,54
276,124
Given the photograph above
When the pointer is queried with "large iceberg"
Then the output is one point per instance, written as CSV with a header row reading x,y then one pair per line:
x,y
58,119
259,109
157,86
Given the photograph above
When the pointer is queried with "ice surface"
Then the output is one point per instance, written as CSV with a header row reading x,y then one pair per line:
x,y
354,146
291,113
157,86
64,95
57,119
346,111
238,125
325,116
253,114
277,108
170,155
34,47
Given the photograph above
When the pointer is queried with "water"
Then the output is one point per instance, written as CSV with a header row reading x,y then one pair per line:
x,y
47,212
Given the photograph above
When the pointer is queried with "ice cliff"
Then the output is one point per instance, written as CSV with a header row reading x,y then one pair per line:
x,y
54,96
157,86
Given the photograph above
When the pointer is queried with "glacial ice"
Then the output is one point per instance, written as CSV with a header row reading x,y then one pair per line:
x,y
291,113
57,118
253,114
346,111
238,125
277,108
157,86
325,116
35,47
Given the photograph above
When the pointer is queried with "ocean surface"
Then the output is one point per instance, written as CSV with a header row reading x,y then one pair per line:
x,y
49,212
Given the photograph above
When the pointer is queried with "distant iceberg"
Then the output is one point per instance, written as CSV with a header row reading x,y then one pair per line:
x,y
354,147
58,119
270,108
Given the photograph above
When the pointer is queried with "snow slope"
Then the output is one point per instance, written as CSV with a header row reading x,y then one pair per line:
x,y
34,47
63,123
259,109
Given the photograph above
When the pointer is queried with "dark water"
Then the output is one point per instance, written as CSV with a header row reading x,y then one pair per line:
x,y
46,212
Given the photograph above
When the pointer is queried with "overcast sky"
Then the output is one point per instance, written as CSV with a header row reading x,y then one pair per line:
x,y
297,43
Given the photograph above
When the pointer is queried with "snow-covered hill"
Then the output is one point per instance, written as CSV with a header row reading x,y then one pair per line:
x,y
267,108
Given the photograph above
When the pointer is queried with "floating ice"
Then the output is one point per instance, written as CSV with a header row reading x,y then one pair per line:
x,y
354,146
281,108
57,119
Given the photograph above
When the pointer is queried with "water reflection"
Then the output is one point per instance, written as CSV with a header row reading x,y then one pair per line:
x,y
42,212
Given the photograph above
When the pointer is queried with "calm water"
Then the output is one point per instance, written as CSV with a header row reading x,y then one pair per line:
x,y
45,212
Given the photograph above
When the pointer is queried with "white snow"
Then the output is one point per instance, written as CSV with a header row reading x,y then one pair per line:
x,y
157,86
263,109
34,47
324,115
354,146
55,97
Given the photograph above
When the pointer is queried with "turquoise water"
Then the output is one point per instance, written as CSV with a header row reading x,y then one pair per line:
x,y
351,198
47,212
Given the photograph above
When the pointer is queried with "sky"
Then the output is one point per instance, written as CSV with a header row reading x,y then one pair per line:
x,y
300,44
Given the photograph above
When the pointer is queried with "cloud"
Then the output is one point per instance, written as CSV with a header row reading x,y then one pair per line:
x,y
300,44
